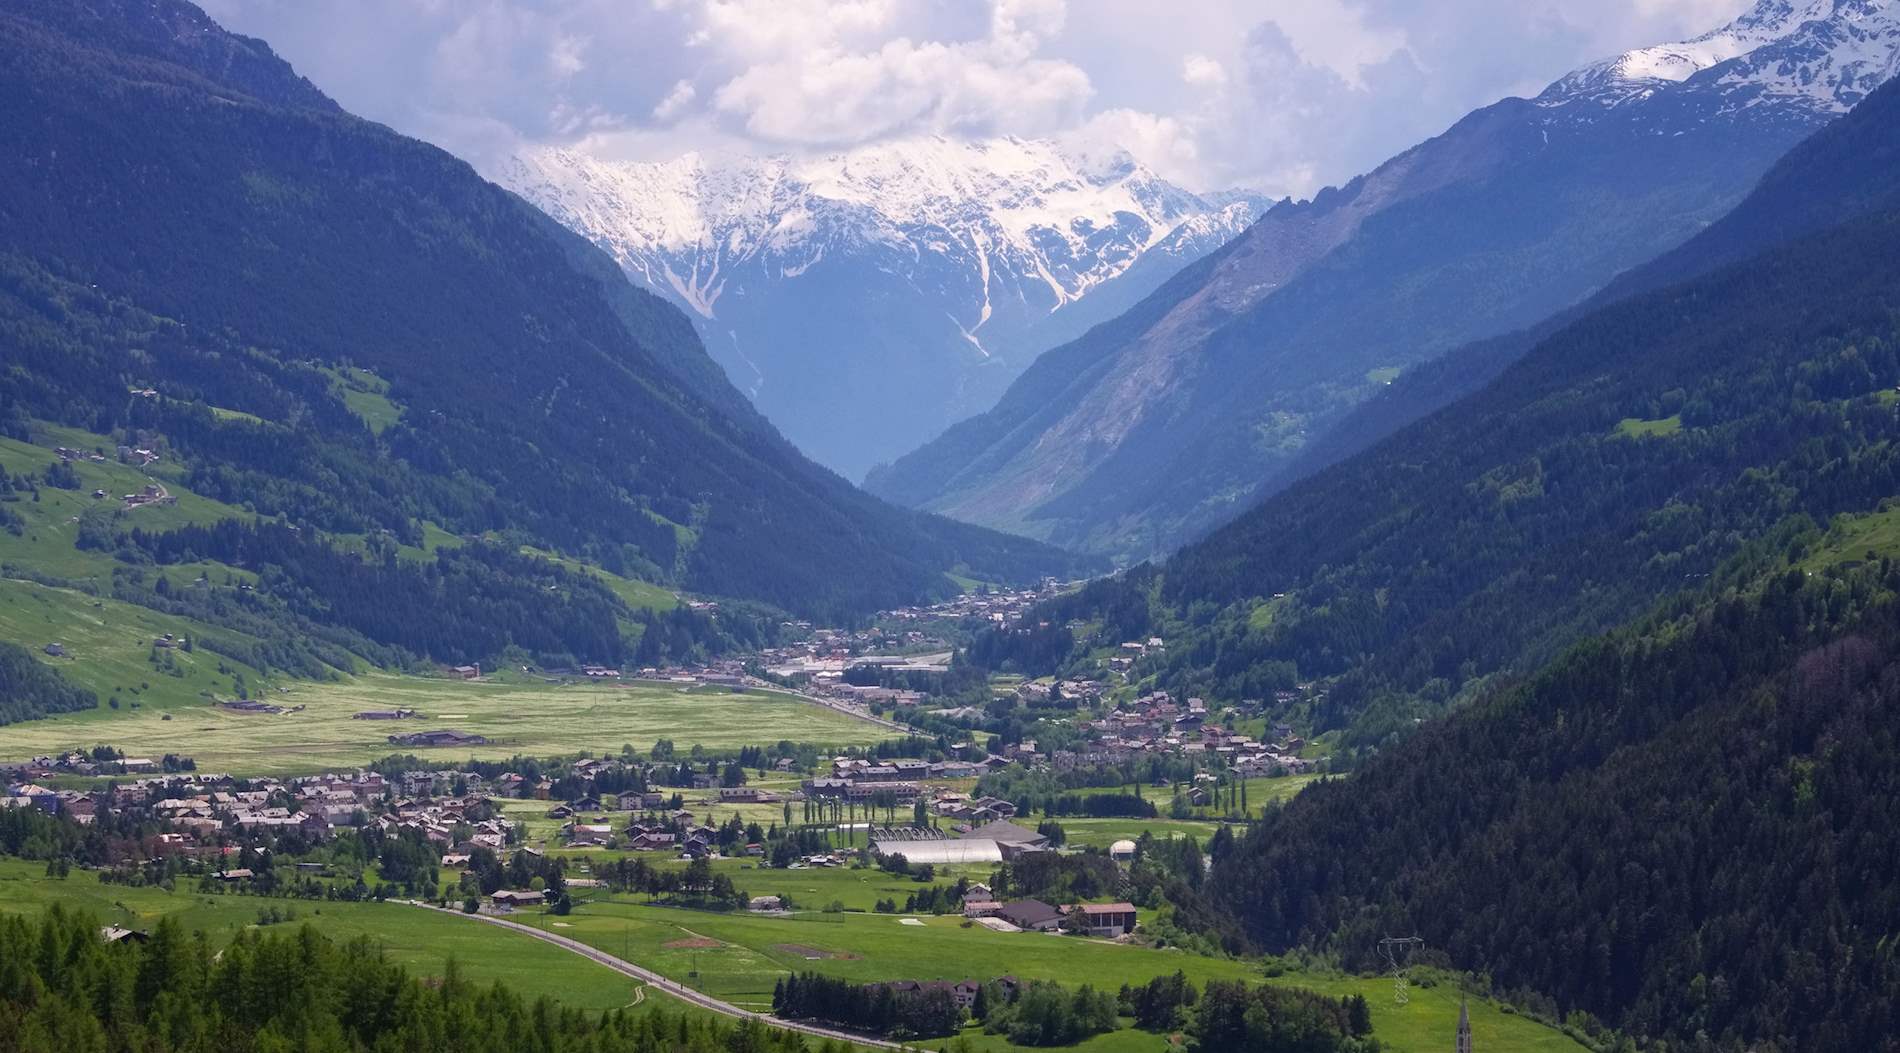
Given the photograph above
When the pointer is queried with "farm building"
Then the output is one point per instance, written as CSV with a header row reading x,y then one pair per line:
x,y
1106,919
1031,915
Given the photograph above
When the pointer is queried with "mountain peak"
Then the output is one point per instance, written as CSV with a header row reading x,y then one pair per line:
x,y
912,278
1821,55
698,199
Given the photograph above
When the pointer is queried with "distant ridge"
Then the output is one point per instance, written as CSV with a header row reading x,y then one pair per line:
x,y
1160,425
867,299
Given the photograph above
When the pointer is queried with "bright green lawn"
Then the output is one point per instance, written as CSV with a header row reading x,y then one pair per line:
x,y
222,413
635,594
421,940
367,396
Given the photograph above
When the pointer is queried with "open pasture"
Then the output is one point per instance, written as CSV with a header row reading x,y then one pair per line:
x,y
532,718
739,957
421,940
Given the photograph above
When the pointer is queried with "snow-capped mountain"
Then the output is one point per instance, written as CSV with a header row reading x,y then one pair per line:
x,y
868,299
1152,429
1785,57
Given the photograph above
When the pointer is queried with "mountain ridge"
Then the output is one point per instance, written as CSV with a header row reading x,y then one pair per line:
x,y
972,258
1545,204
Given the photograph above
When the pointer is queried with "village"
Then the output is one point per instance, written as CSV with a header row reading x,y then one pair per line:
x,y
205,825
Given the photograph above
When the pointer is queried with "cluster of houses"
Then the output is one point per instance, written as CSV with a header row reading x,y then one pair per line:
x,y
76,762
820,661
997,606
903,779
590,822
209,814
1133,651
676,834
150,493
1157,724
1083,692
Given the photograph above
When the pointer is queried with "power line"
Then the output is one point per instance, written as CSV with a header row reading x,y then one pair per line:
x,y
1398,951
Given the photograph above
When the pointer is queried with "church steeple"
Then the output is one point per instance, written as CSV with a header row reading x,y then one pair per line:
x,y
1464,1025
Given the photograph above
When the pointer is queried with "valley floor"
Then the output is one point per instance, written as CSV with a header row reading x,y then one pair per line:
x,y
524,716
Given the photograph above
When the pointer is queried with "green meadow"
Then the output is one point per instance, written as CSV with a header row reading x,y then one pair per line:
x,y
421,940
738,957
108,647
1638,428
1852,539
530,717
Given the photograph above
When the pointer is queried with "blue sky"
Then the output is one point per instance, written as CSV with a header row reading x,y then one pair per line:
x,y
1281,95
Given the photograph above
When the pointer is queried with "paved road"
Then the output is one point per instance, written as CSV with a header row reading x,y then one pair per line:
x,y
685,994
840,707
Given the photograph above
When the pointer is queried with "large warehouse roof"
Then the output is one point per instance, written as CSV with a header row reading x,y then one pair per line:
x,y
962,850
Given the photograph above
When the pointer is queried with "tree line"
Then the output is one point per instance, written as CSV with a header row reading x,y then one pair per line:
x,y
63,987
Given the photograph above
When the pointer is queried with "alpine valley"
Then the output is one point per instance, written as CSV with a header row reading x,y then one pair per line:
x,y
412,639
1153,428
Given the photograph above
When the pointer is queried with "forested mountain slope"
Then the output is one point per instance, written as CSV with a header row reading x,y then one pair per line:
x,y
1653,561
1620,460
348,330
1148,431
1847,168
1684,829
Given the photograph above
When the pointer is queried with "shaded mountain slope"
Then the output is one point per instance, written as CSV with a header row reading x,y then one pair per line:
x,y
157,163
1521,210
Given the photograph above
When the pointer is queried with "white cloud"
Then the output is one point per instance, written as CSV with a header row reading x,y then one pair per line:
x,y
1165,144
1281,94
823,91
676,101
1202,71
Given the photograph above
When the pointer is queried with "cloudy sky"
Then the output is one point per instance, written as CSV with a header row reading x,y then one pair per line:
x,y
1280,95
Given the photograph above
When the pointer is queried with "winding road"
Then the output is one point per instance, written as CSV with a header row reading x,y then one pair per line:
x,y
679,991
